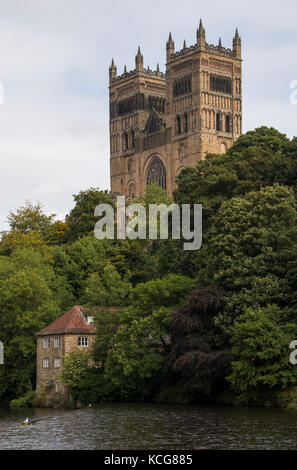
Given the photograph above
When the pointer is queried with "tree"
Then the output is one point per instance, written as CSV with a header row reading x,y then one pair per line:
x,y
261,346
76,365
257,159
27,306
16,239
251,240
108,289
81,220
200,357
30,217
140,343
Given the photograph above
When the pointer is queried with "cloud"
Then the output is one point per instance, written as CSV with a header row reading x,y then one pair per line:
x,y
54,58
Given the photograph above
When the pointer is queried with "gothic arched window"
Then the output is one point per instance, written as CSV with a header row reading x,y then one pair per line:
x,y
228,124
156,173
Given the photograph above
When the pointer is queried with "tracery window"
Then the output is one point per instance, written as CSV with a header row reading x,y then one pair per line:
x,y
157,173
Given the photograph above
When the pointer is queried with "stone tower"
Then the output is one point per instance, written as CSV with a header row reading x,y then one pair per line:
x,y
160,124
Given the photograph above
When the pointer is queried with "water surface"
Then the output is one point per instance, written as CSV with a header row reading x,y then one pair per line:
x,y
147,426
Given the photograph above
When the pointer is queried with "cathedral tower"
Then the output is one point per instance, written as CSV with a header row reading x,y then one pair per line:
x,y
160,124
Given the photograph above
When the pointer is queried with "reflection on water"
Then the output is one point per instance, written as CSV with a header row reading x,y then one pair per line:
x,y
138,426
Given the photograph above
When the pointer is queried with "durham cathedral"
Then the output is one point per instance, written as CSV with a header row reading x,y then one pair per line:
x,y
161,123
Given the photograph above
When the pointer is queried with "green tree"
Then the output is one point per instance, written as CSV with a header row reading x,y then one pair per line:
x,y
108,289
30,217
261,348
248,247
81,220
75,368
142,341
27,306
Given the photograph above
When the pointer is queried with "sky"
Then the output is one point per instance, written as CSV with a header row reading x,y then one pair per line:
x,y
54,60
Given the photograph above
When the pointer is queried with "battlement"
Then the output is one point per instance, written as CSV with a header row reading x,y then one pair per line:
x,y
139,71
202,45
218,50
148,73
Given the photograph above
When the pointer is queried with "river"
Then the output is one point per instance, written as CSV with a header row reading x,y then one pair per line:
x,y
149,426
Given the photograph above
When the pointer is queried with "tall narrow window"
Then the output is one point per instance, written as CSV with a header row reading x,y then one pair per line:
x,y
218,122
228,124
57,363
132,139
185,122
45,363
125,142
46,343
178,125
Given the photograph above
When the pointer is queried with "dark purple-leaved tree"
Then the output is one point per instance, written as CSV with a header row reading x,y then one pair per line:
x,y
200,356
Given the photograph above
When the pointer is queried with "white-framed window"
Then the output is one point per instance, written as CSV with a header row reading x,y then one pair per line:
x,y
57,387
57,362
46,343
83,341
56,342
45,363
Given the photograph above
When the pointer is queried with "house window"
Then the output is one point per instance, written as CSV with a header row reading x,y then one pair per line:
x,y
56,342
57,387
45,363
46,343
57,362
83,341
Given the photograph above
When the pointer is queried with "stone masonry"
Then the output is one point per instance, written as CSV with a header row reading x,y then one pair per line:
x,y
162,123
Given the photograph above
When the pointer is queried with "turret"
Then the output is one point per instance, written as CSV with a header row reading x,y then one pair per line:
x,y
170,48
237,45
112,72
139,61
201,43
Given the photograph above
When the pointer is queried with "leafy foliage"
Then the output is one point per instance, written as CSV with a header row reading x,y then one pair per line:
x,y
261,368
199,357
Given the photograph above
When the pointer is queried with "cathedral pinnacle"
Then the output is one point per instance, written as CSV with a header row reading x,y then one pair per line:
x,y
139,60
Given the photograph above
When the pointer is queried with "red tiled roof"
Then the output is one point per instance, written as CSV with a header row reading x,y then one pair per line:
x,y
73,321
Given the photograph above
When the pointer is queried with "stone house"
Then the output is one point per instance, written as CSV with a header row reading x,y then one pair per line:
x,y
75,330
